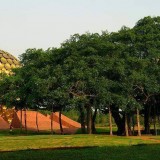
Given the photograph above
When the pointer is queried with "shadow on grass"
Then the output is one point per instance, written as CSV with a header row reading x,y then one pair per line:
x,y
142,152
18,132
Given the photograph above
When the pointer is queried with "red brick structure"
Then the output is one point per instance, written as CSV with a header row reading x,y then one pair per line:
x,y
44,122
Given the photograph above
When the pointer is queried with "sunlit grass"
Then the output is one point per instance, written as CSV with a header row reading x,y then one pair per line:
x,y
11,143
70,147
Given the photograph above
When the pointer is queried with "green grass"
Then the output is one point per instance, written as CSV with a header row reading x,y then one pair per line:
x,y
17,132
146,152
12,143
77,147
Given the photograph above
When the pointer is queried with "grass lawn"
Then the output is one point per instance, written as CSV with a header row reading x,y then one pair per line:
x,y
148,152
87,147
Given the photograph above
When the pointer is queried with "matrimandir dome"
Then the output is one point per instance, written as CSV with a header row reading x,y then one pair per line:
x,y
7,62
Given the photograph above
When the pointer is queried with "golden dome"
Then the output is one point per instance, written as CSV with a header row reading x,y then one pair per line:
x,y
7,62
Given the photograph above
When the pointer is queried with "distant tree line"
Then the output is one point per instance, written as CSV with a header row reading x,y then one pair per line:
x,y
116,73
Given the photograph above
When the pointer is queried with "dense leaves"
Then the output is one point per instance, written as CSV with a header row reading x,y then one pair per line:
x,y
120,70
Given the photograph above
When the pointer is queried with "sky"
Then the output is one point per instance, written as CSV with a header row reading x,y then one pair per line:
x,y
48,23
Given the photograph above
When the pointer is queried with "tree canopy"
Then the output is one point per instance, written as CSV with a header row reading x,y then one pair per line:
x,y
118,70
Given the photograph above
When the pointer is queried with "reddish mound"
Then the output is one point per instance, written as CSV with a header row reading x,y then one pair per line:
x,y
71,125
4,124
67,121
44,122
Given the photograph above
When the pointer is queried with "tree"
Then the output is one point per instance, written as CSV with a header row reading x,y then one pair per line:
x,y
115,72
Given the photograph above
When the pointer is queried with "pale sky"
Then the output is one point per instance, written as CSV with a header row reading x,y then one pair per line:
x,y
47,23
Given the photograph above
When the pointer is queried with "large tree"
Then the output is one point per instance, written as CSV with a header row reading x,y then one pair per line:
x,y
116,72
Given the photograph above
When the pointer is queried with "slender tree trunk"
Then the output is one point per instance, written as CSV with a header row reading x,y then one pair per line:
x,y
52,120
110,121
133,125
60,121
93,121
89,120
25,119
126,125
155,127
37,121
21,121
147,110
129,120
138,123
82,118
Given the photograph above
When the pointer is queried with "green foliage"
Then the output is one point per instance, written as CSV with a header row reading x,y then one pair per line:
x,y
120,70
72,113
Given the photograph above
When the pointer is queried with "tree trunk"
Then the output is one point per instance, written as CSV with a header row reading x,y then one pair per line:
x,y
120,121
129,120
37,121
126,125
133,125
52,120
147,110
93,121
138,123
155,127
89,120
82,119
25,119
154,120
21,121
60,122
110,121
